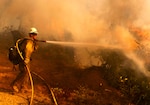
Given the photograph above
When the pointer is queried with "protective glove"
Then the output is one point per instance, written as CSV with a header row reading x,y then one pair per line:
x,y
26,61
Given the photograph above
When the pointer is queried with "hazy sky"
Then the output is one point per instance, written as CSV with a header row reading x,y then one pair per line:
x,y
85,19
98,21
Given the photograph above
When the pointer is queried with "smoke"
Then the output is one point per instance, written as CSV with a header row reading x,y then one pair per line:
x,y
98,21
85,19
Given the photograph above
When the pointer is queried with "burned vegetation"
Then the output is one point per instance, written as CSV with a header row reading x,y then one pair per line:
x,y
109,78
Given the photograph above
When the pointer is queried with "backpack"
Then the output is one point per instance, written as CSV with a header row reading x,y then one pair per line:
x,y
13,55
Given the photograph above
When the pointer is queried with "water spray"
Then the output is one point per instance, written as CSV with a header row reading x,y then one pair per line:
x,y
81,44
130,54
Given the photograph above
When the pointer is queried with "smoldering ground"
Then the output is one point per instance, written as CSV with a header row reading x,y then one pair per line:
x,y
104,22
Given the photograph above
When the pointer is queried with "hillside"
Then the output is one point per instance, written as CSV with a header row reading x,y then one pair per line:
x,y
112,82
71,84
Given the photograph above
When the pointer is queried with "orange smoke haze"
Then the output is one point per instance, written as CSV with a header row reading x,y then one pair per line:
x,y
98,21
85,19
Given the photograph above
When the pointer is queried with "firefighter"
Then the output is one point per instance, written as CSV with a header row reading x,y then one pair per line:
x,y
26,46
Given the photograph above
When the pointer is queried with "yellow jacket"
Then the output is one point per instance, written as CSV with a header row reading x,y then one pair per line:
x,y
27,46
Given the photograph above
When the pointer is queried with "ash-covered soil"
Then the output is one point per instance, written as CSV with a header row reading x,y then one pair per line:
x,y
81,95
87,89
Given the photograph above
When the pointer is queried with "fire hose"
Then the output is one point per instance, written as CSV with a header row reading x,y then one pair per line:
x,y
31,80
49,88
30,76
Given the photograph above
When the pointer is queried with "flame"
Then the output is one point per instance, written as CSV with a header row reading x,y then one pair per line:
x,y
141,33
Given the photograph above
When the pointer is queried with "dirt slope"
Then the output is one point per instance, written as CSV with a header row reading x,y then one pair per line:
x,y
71,85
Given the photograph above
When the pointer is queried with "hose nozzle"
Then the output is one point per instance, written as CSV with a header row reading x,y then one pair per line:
x,y
40,40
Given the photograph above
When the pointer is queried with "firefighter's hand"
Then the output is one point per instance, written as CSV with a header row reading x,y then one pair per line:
x,y
26,61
